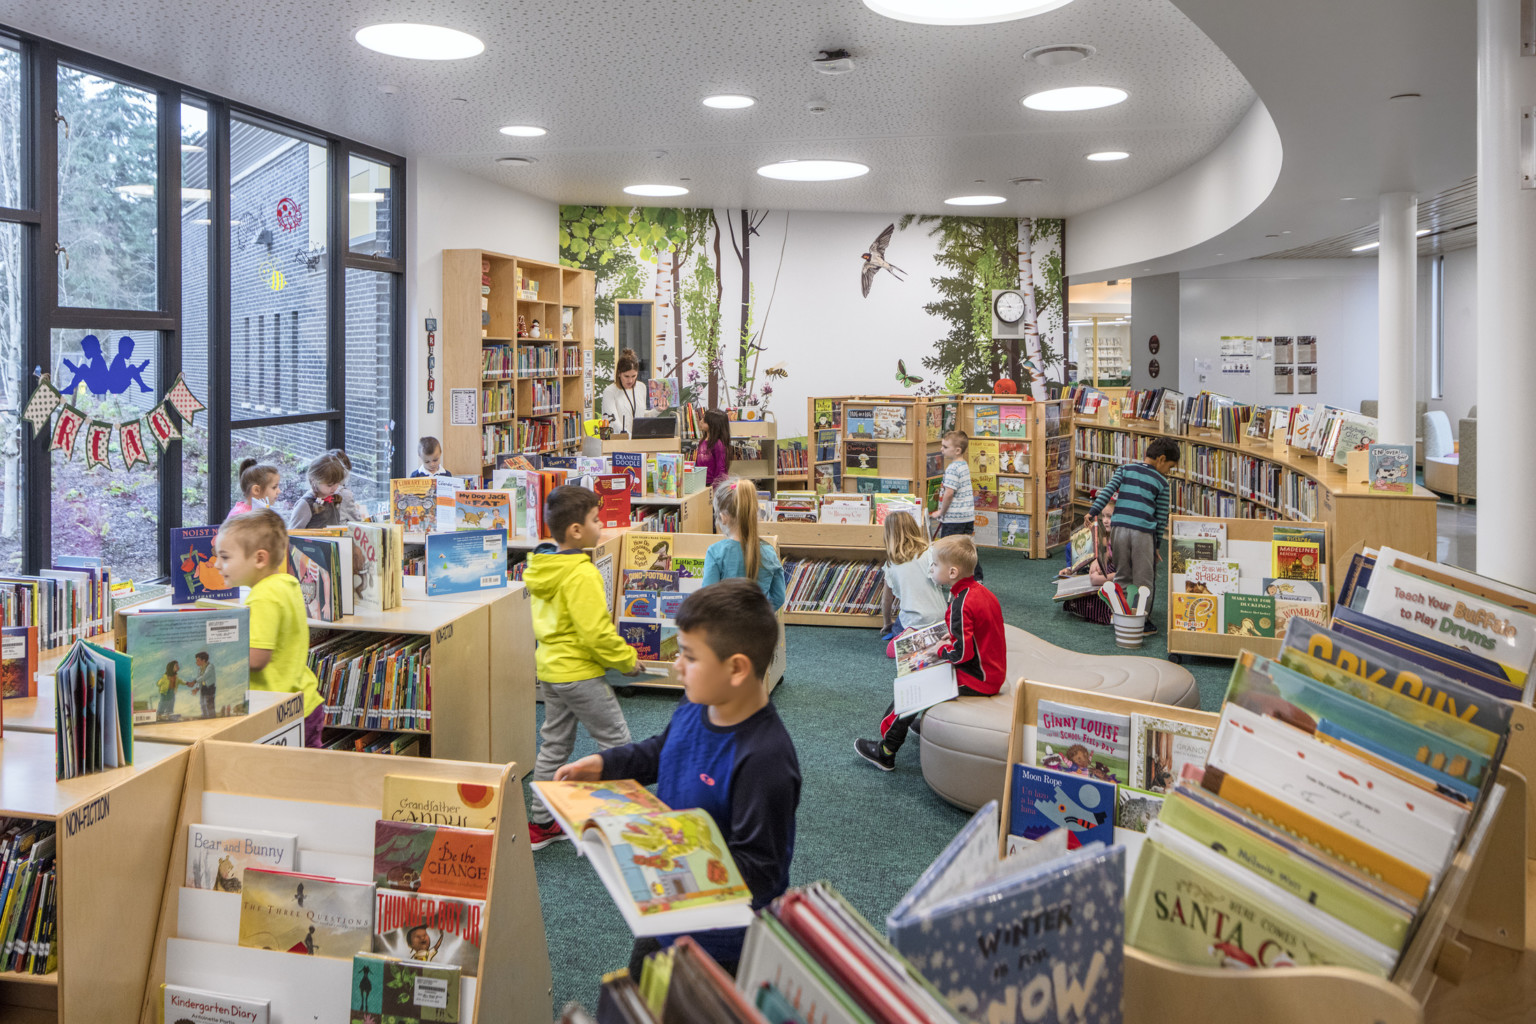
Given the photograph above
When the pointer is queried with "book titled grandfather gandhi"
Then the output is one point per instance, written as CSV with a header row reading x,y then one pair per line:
x,y
439,801
307,914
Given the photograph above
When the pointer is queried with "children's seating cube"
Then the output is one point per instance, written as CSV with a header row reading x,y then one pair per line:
x,y
965,741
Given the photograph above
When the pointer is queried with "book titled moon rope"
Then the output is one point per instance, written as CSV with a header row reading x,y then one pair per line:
x,y
429,929
307,914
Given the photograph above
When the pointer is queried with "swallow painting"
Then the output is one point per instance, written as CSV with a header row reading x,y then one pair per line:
x,y
874,260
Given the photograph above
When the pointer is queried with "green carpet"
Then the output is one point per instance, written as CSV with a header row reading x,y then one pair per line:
x,y
868,832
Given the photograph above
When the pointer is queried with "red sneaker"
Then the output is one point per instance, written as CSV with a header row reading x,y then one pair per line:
x,y
540,836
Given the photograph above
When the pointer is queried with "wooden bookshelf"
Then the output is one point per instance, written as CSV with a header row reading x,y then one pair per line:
x,y
848,542
1046,483
36,715
281,785
760,470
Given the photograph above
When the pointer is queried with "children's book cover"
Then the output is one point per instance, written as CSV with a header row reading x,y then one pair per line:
x,y
613,497
1248,615
822,409
632,465
483,510
1136,809
656,581
436,859
988,422
933,421
890,422
668,605
639,604
861,423
1083,741
987,528
1161,747
438,930
413,504
1311,611
669,649
982,457
1204,531
686,569
1013,494
386,990
217,856
307,914
18,661
1052,419
196,574
1208,576
1295,561
466,561
1014,422
1293,590
577,802
1355,435
934,464
439,801
313,561
669,474
1045,799
1013,531
642,551
1391,468
189,663
672,860
862,458
644,637
1195,613
198,1006
829,477
1189,549
1013,457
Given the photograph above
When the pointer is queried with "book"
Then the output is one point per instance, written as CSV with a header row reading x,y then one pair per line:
x,y
1136,809
1488,628
386,990
644,637
987,421
572,803
217,856
1456,663
613,492
195,571
1161,747
1211,577
860,422
1013,531
1044,799
19,661
1183,550
1294,561
439,801
1194,613
652,581
1293,590
413,504
1309,611
890,422
1014,421
669,604
1083,741
1390,468
639,604
632,465
439,930
466,561
484,510
922,679
440,860
771,956
378,565
93,725
316,563
1248,615
185,1005
648,552
188,662
307,914
861,458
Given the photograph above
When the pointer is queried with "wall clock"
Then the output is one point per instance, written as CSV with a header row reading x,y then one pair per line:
x,y
1009,306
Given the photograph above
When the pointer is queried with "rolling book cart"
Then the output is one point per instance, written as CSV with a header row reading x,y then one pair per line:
x,y
1482,901
843,542
331,800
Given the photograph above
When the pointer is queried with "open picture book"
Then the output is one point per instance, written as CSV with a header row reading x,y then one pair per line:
x,y
921,679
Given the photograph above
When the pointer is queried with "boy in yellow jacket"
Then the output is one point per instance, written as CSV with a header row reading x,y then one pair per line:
x,y
577,644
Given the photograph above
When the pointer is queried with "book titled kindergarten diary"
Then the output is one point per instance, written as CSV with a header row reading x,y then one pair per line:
x,y
194,571
196,1006
189,662
466,561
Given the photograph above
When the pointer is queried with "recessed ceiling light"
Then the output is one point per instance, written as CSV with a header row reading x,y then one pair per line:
x,y
729,101
420,42
1421,232
1221,254
655,190
1367,246
962,12
1076,97
974,200
1346,199
515,160
366,197
813,170
1108,155
1060,55
523,131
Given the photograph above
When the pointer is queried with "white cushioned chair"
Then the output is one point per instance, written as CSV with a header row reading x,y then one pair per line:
x,y
1440,459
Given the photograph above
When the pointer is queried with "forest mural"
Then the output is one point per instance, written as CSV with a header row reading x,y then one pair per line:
x,y
766,308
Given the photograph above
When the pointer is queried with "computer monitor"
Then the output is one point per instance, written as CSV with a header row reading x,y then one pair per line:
x,y
653,427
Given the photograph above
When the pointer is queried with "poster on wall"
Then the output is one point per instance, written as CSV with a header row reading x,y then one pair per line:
x,y
1236,354
1283,349
1306,379
1284,375
463,407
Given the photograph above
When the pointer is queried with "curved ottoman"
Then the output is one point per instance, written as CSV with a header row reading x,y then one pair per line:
x,y
965,741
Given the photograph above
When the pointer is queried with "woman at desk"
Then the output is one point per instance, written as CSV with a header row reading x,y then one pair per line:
x,y
623,400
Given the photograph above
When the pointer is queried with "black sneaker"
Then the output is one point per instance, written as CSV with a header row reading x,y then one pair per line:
x,y
874,753
1149,629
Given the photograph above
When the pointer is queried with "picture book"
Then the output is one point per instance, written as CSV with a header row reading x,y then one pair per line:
x,y
669,474
1013,531
922,678
1211,577
188,663
987,422
668,604
1296,561
1044,799
1161,747
1194,613
614,500
306,914
951,416
915,649
1013,457
1355,434
19,662
378,552
413,504
439,801
1014,421
466,561
1311,611
386,990
861,458
686,569
1391,468
572,803
890,422
439,930
1052,419
642,551
195,573
198,1006
93,725
860,423
218,856
644,637
668,649
986,526
1136,809
996,935
484,510
982,456
438,859
653,581
1293,590
662,392
1183,550
1485,626
1204,531
1248,615
316,563
1013,494
1083,741
822,410
632,465
1458,663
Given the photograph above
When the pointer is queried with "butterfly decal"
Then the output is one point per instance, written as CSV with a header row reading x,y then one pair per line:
x,y
904,378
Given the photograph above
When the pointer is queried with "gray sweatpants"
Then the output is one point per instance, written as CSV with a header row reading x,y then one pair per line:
x,y
588,701
1135,560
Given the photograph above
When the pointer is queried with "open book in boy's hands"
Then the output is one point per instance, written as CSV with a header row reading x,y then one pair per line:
x,y
922,680
668,871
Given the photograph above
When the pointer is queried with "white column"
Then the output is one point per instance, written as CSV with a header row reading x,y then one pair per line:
x,y
1506,303
1397,284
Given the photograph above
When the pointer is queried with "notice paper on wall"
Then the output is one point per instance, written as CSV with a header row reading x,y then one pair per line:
x,y
463,407
1236,354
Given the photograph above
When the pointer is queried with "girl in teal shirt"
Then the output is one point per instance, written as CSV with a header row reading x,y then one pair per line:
x,y
741,553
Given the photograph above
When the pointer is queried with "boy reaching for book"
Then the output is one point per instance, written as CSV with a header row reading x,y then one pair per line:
x,y
976,646
725,750
1140,493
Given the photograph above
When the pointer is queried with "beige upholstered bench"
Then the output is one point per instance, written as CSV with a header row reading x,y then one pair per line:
x,y
965,741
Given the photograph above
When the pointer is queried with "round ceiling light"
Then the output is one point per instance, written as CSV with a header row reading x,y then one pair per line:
x,y
420,42
1076,97
962,12
813,170
1108,155
523,131
655,190
729,101
974,200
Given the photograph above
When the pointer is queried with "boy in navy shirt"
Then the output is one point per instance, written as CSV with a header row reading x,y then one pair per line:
x,y
725,750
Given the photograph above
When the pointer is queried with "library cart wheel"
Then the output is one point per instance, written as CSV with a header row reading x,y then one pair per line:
x,y
1176,658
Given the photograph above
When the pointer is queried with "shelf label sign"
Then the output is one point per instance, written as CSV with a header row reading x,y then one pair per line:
x,y
463,407
82,818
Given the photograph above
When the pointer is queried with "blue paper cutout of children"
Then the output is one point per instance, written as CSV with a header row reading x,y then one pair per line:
x,y
101,379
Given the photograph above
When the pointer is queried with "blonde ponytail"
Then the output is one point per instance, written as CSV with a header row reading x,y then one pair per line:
x,y
735,499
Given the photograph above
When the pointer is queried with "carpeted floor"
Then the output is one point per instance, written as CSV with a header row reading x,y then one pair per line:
x,y
869,833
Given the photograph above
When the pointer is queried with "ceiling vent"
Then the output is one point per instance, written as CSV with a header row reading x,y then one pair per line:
x,y
833,62
1059,55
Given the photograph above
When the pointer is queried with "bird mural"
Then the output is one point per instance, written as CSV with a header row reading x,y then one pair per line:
x,y
875,259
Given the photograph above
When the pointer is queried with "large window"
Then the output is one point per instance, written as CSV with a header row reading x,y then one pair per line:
x,y
197,243
13,267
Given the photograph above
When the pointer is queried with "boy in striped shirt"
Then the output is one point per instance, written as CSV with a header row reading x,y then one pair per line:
x,y
1140,493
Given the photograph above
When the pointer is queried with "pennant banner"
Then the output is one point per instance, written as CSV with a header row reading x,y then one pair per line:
x,y
98,444
159,423
66,431
182,398
42,404
132,442
161,426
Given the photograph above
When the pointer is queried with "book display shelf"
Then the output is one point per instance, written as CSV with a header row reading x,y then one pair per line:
x,y
694,511
1256,478
1482,904
505,391
1020,455
331,801
745,434
852,547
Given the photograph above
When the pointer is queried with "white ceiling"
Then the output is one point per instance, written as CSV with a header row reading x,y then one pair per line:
x,y
931,110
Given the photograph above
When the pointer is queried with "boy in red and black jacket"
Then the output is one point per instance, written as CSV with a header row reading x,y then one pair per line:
x,y
976,646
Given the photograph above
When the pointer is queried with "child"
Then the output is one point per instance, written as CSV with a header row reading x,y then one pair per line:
x,y
328,502
908,580
1140,492
252,550
741,553
976,646
714,452
576,645
260,485
725,750
957,510
205,684
167,687
431,452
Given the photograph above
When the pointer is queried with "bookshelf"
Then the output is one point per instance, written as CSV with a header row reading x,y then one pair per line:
x,y
331,800
842,542
35,715
1257,478
529,394
1032,497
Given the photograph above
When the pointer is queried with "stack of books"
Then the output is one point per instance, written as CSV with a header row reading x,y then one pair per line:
x,y
833,587
373,682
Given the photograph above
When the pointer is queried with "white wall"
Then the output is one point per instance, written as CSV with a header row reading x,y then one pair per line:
x,y
1334,300
449,209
